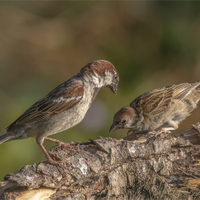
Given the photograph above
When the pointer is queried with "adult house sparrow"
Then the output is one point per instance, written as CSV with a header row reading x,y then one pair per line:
x,y
158,110
64,107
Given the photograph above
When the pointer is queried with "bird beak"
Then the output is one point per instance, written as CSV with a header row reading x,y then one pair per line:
x,y
113,88
113,128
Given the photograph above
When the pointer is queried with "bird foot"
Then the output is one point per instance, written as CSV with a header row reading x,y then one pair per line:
x,y
158,132
70,145
154,133
55,162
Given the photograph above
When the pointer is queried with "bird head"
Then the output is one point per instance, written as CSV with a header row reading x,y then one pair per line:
x,y
102,73
125,118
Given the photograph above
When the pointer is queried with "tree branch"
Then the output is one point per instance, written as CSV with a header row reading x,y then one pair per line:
x,y
164,166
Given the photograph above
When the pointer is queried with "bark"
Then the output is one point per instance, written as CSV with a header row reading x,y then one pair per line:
x,y
151,167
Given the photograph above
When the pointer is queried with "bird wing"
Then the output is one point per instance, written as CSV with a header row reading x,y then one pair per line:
x,y
156,101
62,98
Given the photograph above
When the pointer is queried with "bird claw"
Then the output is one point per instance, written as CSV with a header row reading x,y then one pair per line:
x,y
154,133
56,163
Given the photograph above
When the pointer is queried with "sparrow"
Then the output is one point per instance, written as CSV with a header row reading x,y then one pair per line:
x,y
158,110
64,107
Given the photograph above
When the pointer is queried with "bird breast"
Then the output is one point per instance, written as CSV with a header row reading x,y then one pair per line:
x,y
74,115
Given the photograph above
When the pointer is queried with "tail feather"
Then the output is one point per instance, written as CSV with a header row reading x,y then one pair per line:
x,y
6,137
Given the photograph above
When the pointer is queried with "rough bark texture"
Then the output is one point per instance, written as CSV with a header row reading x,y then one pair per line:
x,y
152,167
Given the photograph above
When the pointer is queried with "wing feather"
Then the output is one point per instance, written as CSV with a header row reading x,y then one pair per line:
x,y
156,101
62,98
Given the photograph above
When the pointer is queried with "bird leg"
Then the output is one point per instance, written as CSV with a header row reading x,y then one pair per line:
x,y
48,157
40,141
70,145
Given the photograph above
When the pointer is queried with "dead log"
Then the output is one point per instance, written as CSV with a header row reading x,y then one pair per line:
x,y
161,167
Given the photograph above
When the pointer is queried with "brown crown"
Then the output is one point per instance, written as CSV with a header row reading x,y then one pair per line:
x,y
99,67
125,113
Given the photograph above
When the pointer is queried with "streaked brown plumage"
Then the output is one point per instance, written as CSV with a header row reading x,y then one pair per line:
x,y
65,106
159,109
49,106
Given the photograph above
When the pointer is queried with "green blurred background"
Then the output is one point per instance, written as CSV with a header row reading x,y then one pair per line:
x,y
42,44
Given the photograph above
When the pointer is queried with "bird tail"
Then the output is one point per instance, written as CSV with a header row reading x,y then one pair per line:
x,y
6,137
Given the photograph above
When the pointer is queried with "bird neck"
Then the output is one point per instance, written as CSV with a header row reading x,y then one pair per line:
x,y
94,81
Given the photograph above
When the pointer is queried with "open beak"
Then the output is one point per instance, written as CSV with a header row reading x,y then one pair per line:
x,y
113,128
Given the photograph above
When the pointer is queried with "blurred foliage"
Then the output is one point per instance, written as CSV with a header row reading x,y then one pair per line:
x,y
152,44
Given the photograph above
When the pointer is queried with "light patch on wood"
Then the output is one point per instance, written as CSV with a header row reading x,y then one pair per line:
x,y
42,194
83,168
193,183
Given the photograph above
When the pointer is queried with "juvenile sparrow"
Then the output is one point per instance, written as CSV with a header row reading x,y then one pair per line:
x,y
64,107
158,110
